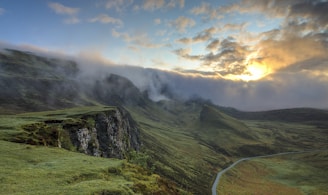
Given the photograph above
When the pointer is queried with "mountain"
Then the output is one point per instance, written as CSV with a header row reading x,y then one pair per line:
x,y
287,115
30,82
171,146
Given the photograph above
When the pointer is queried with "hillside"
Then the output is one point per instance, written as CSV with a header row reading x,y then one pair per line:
x,y
29,82
284,115
169,147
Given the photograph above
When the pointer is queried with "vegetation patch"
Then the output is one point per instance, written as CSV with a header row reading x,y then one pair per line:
x,y
290,174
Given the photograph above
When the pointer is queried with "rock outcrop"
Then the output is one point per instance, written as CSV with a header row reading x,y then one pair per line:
x,y
111,134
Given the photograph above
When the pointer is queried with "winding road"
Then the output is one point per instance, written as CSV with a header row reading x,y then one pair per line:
x,y
217,179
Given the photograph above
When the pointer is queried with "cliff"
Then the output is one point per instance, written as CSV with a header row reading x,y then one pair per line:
x,y
111,133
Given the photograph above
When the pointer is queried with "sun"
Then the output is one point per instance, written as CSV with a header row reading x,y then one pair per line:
x,y
254,71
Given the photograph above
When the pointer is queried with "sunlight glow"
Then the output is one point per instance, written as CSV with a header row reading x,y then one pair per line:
x,y
254,71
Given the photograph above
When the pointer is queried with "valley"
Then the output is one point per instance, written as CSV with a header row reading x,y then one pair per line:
x,y
56,125
302,173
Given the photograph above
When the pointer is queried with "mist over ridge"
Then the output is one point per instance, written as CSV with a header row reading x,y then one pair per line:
x,y
285,89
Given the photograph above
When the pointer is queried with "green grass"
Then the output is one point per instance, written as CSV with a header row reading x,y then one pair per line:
x,y
180,145
190,143
27,169
306,172
289,136
289,174
40,170
11,125
186,144
58,171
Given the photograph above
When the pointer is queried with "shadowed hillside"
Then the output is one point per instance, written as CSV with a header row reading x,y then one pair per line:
x,y
32,83
287,115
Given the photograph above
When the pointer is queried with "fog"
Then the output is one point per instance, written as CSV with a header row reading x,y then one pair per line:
x,y
287,88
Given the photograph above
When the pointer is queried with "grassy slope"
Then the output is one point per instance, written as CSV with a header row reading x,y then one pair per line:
x,y
169,137
292,174
188,143
290,136
10,125
27,169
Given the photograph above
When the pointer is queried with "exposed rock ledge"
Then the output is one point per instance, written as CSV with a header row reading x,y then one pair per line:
x,y
112,133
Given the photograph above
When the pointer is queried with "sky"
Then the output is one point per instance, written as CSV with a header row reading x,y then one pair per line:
x,y
262,54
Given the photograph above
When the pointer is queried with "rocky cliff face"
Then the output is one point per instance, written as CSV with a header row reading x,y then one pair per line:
x,y
111,134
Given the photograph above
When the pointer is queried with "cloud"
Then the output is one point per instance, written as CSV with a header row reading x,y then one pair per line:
x,y
157,21
118,5
140,39
281,91
159,63
64,10
105,19
213,45
182,22
173,3
232,27
152,5
271,8
301,37
207,34
315,11
207,10
291,50
2,11
204,8
293,87
200,37
186,53
72,20
229,56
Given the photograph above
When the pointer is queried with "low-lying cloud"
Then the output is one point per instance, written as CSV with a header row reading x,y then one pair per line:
x,y
300,85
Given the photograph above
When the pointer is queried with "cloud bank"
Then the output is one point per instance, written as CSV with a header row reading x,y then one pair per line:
x,y
295,86
302,36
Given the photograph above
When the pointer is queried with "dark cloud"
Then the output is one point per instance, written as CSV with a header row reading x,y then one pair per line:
x,y
316,11
185,53
213,45
229,57
301,37
280,91
203,36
